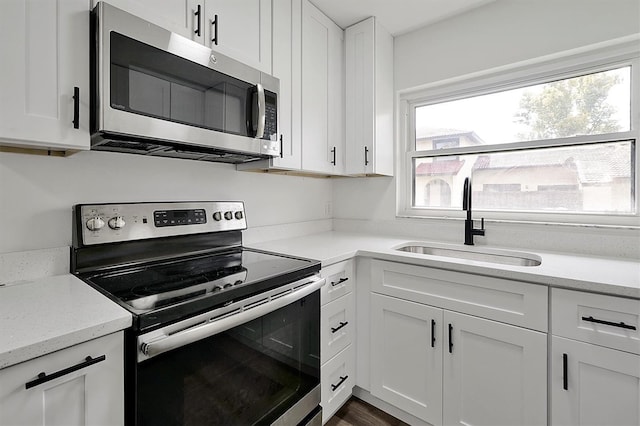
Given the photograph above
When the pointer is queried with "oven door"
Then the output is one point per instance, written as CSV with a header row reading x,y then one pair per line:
x,y
256,361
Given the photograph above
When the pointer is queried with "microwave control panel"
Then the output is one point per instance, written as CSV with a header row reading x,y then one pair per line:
x,y
110,223
271,116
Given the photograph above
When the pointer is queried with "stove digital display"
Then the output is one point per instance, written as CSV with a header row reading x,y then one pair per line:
x,y
163,218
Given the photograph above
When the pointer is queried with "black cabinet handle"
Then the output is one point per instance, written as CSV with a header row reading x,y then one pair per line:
x,y
43,377
198,13
613,324
565,372
337,385
214,24
333,151
366,155
450,338
340,281
281,147
342,324
76,107
433,333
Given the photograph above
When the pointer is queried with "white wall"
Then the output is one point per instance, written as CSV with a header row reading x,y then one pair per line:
x,y
498,34
37,192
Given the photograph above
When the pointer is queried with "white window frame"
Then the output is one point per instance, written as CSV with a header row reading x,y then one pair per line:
x,y
595,58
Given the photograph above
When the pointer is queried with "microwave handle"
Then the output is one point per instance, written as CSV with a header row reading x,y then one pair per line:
x,y
261,111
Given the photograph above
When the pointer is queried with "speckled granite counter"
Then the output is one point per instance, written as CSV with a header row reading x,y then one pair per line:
x,y
45,315
596,274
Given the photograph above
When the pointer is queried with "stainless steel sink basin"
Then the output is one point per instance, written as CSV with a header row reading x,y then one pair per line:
x,y
502,257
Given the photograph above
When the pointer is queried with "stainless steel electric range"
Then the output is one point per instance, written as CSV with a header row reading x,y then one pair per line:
x,y
221,334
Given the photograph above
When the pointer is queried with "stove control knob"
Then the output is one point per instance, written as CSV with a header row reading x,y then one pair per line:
x,y
217,216
95,223
228,215
216,289
239,215
227,285
116,222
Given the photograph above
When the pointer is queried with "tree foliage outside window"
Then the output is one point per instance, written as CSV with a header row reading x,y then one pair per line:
x,y
565,108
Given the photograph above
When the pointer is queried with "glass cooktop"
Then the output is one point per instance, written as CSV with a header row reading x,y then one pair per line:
x,y
179,287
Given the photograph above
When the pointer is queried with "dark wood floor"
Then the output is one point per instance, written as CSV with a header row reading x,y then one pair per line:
x,y
358,413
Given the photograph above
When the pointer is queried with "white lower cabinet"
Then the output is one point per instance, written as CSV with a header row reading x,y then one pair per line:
x,y
595,359
83,385
593,385
406,356
338,379
337,337
450,368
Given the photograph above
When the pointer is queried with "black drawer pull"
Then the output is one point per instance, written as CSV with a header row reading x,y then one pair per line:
x,y
333,151
340,281
614,324
198,13
214,24
281,147
565,372
433,333
366,156
342,324
337,385
43,377
76,107
450,338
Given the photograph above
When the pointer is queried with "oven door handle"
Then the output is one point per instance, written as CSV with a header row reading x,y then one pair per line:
x,y
168,342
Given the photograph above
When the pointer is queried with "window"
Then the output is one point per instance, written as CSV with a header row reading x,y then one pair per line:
x,y
558,148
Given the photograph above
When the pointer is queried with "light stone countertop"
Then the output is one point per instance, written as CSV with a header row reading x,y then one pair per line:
x,y
48,314
620,277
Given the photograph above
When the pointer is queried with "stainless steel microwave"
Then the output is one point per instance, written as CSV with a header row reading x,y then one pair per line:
x,y
158,93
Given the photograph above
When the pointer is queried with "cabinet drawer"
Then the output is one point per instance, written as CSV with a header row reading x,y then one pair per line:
x,y
337,326
498,299
609,321
337,379
75,390
340,280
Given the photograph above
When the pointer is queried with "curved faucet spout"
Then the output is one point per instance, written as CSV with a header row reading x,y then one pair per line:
x,y
469,230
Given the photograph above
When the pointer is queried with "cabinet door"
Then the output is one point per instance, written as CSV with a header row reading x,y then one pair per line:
x,y
90,395
322,93
45,49
494,373
240,29
406,356
360,71
283,69
369,100
602,385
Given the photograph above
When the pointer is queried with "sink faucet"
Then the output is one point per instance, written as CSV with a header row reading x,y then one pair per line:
x,y
469,230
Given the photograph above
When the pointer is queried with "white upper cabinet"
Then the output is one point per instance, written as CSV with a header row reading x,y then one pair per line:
x,y
45,49
369,99
240,29
322,93
286,67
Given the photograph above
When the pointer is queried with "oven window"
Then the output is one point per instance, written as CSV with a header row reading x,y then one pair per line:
x,y
251,374
152,82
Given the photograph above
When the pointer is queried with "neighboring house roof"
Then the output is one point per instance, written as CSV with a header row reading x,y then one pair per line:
x,y
591,165
443,167
443,133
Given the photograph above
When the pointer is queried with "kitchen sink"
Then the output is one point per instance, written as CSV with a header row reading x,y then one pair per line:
x,y
503,257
